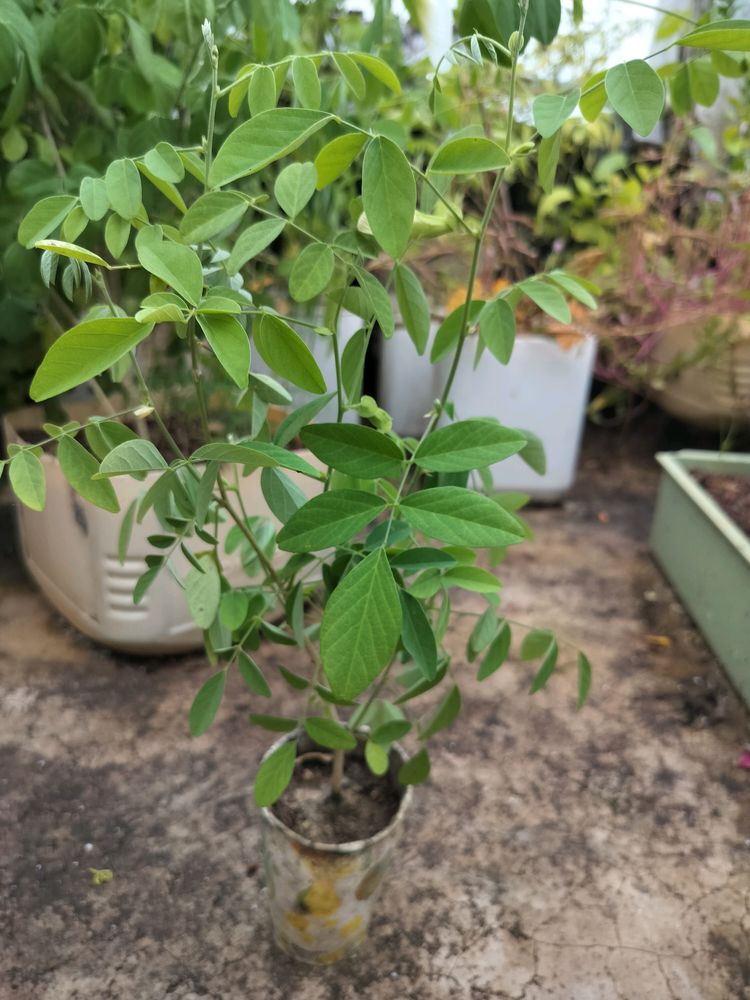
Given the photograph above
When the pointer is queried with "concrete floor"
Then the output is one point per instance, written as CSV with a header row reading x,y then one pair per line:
x,y
600,855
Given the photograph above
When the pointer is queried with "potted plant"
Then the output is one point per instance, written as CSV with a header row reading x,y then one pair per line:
x,y
371,562
701,539
684,341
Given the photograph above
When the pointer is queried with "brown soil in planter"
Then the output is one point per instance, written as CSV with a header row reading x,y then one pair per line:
x,y
366,806
732,493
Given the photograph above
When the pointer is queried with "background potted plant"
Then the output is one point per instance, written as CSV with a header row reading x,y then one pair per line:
x,y
364,590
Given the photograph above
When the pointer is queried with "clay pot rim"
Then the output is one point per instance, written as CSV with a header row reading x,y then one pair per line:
x,y
350,846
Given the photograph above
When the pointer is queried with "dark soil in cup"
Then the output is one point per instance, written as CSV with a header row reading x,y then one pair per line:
x,y
367,803
732,493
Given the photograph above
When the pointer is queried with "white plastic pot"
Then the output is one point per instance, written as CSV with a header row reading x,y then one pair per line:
x,y
544,389
70,549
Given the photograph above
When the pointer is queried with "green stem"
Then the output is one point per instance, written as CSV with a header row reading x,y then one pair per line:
x,y
213,55
143,384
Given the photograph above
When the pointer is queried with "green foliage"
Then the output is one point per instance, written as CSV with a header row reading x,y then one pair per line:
x,y
363,573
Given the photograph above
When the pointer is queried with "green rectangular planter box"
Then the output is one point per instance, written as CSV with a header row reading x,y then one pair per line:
x,y
706,556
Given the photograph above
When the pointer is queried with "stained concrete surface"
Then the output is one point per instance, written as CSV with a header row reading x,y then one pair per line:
x,y
600,855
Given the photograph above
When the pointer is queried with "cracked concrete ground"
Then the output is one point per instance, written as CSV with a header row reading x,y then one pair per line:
x,y
600,855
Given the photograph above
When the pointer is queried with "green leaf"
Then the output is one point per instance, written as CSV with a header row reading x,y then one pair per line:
x,y
413,306
144,582
132,456
104,435
126,529
361,626
547,297
123,184
497,329
467,445
256,682
353,364
416,559
84,351
473,578
261,92
282,495
262,140
163,161
336,156
74,225
72,250
94,200
377,299
116,234
447,711
726,65
170,192
211,214
291,425
533,453
268,389
636,92
461,517
295,681
175,265
584,678
594,96
294,187
253,241
725,36
230,344
306,82
497,653
311,272
27,479
203,593
469,155
233,609
389,195
417,636
274,723
167,312
255,454
77,36
329,519
536,643
274,774
391,730
415,770
546,670
548,158
358,451
206,704
379,69
376,758
78,466
330,734
287,354
450,329
44,218
351,74
550,111
577,287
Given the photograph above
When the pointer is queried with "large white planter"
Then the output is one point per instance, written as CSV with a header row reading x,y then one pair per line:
x,y
70,549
